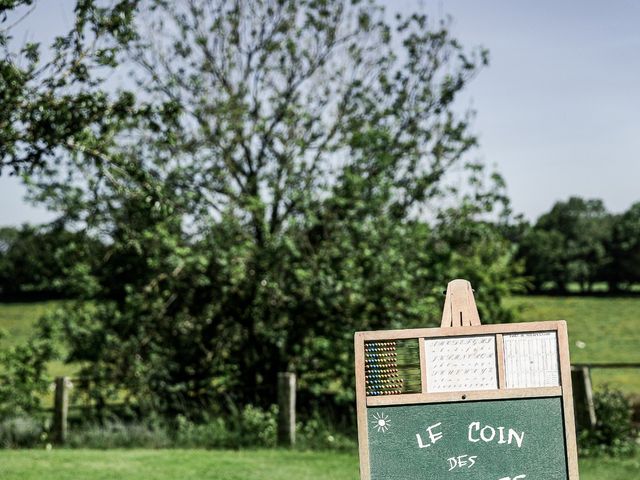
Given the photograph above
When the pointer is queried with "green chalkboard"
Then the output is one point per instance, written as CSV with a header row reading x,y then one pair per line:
x,y
519,439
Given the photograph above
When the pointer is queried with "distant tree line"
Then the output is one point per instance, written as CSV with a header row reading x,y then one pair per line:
x,y
577,245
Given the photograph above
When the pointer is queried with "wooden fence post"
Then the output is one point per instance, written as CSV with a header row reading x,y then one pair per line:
x,y
583,397
60,409
286,408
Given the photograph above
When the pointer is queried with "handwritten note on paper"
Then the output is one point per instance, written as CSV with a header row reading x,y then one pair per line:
x,y
531,360
461,363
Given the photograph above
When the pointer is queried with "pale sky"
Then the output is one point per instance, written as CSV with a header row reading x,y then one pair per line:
x,y
558,109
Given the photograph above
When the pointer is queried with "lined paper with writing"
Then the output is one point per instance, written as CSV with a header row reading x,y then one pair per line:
x,y
461,363
531,360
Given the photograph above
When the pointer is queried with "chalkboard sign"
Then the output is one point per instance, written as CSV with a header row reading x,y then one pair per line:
x,y
492,440
482,402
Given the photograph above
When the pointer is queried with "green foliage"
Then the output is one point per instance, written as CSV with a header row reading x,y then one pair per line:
x,y
584,227
49,107
247,427
624,249
478,251
256,427
24,373
318,434
614,433
46,262
211,434
21,432
543,256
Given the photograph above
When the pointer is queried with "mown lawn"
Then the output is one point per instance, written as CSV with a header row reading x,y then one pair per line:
x,y
601,330
222,465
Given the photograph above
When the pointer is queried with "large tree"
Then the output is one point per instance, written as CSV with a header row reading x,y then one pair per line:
x,y
267,195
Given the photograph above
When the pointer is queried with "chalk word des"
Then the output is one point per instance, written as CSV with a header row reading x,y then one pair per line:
x,y
489,434
433,437
519,477
461,461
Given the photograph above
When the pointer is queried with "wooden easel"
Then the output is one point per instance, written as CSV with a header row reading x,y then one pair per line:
x,y
460,320
460,308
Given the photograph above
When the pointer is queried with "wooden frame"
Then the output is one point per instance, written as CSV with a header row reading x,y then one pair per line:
x,y
564,390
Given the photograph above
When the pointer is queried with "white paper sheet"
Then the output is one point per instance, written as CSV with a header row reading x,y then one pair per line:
x,y
461,364
531,360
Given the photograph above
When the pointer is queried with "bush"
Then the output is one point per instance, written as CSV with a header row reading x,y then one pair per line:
x,y
318,434
212,434
614,433
249,427
256,427
253,427
21,432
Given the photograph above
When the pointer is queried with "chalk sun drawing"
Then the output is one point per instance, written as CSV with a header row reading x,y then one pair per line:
x,y
380,422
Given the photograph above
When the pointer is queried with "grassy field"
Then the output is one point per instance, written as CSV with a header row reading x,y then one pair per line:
x,y
222,465
17,319
601,330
